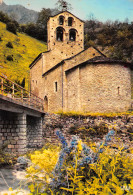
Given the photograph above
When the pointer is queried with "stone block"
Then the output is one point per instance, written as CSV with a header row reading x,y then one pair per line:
x,y
10,146
13,142
16,138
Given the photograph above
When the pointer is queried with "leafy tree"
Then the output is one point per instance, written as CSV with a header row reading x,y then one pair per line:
x,y
63,5
43,17
4,17
10,26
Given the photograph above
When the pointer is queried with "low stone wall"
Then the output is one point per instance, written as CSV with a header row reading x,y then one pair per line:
x,y
88,128
34,132
12,131
18,132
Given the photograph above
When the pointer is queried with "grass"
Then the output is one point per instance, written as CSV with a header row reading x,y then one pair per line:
x,y
77,114
24,51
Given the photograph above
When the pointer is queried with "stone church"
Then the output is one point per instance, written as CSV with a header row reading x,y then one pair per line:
x,y
71,78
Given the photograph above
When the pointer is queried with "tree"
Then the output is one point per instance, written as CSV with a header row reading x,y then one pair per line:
x,y
63,5
44,14
4,17
10,26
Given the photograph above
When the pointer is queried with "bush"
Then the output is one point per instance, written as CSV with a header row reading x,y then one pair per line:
x,y
43,163
0,39
5,157
4,17
10,26
9,58
84,170
9,44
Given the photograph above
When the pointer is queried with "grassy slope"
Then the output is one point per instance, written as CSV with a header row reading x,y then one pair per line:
x,y
25,49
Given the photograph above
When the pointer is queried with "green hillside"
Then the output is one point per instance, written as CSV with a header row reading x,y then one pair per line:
x,y
24,51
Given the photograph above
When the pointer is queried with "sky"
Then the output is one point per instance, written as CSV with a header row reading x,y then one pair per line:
x,y
101,10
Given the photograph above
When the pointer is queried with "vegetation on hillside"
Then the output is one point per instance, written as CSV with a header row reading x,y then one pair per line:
x,y
114,38
16,53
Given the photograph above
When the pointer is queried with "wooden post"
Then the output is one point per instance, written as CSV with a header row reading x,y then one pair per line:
x,y
13,90
22,95
36,102
29,99
2,87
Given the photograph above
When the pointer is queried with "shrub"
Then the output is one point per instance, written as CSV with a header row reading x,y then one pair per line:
x,y
0,39
5,157
84,170
4,17
9,44
10,26
43,163
9,58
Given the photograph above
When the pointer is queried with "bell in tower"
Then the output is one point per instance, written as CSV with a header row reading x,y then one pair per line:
x,y
65,32
64,6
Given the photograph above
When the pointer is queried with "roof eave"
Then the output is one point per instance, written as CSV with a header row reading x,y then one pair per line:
x,y
63,12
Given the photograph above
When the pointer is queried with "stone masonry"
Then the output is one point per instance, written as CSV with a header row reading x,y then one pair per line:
x,y
13,131
34,132
82,126
20,131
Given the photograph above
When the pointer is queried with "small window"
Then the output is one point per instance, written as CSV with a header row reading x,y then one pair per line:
x,y
118,90
55,86
72,35
70,21
61,20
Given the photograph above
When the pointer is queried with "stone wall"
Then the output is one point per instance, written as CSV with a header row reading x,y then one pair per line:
x,y
84,127
34,132
13,131
18,132
100,88
36,78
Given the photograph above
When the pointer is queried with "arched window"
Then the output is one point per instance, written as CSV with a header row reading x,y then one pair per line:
x,y
72,35
61,20
59,34
70,21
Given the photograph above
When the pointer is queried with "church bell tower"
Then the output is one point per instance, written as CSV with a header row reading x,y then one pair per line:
x,y
65,33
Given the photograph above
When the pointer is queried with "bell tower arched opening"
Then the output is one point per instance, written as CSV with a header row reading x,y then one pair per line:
x,y
61,20
72,35
59,34
70,21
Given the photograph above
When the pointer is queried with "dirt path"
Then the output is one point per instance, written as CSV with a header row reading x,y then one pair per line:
x,y
12,178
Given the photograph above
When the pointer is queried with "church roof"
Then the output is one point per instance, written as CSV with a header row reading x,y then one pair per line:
x,y
67,59
101,60
37,58
69,13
